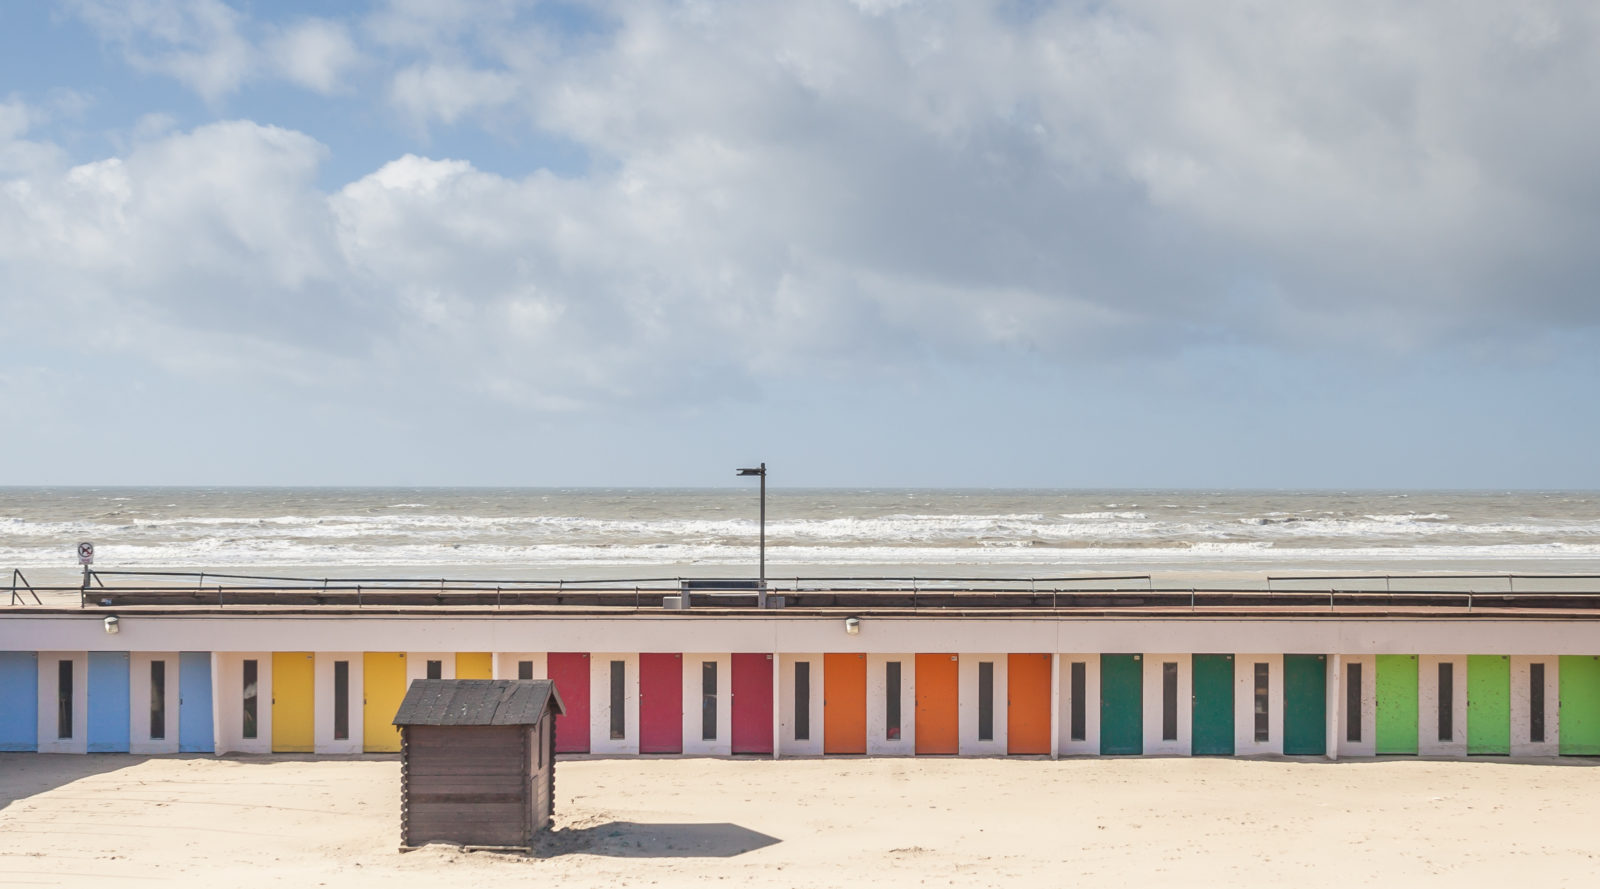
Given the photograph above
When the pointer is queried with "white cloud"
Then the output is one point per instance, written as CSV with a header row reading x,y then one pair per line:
x,y
200,43
215,49
316,54
445,93
809,190
19,155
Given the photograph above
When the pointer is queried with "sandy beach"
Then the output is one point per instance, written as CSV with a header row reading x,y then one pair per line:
x,y
243,821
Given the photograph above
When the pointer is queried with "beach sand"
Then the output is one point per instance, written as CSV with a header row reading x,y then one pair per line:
x,y
264,821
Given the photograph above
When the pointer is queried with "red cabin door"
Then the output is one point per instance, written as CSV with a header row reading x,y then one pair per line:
x,y
752,703
570,672
660,703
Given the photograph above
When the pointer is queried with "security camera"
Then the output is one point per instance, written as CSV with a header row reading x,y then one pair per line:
x,y
111,624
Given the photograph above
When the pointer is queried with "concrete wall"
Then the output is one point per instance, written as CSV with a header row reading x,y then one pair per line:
x,y
787,743
48,679
417,665
1521,689
600,740
878,741
508,664
1244,705
1367,745
228,686
323,702
24,631
971,745
1153,702
1090,743
139,692
1428,741
693,740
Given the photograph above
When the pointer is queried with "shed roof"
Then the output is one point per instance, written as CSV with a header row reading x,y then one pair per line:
x,y
478,702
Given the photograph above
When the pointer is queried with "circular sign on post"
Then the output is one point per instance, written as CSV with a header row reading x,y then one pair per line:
x,y
86,553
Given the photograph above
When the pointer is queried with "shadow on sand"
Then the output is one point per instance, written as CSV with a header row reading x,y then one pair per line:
x,y
28,774
629,839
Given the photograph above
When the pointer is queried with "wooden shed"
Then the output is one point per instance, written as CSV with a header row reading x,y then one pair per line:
x,y
477,761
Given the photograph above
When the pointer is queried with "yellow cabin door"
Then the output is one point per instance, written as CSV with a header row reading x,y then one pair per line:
x,y
474,665
383,685
292,696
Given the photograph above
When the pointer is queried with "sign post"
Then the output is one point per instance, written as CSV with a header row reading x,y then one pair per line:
x,y
86,558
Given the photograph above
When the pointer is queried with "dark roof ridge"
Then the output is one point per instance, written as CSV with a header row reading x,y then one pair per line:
x,y
478,702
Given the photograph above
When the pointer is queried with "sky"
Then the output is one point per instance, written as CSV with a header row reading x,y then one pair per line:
x,y
1154,244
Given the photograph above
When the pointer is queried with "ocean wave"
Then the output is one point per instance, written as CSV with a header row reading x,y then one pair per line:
x,y
222,555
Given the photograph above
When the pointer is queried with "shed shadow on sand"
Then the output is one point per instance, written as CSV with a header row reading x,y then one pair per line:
x,y
630,839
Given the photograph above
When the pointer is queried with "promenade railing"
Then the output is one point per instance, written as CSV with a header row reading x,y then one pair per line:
x,y
1457,592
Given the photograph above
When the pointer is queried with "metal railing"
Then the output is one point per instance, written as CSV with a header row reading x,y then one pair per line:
x,y
16,595
890,592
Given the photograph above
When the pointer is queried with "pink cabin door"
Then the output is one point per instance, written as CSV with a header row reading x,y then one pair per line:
x,y
660,703
570,672
752,703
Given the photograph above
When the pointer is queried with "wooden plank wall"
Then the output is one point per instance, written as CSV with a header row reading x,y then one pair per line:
x,y
468,785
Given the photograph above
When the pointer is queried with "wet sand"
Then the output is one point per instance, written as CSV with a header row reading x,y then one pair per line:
x,y
266,821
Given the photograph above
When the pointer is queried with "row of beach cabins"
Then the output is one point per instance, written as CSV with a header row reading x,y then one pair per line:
x,y
1026,671
824,703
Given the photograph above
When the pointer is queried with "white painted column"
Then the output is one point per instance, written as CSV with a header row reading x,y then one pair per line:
x,y
1522,744
1335,691
322,702
417,665
1367,745
230,679
600,740
878,741
970,744
1428,741
693,738
217,748
49,676
140,692
811,745
1089,744
1244,705
1152,673
777,711
1055,705
508,664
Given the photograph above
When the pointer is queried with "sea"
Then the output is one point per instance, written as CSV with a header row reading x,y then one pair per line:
x,y
1234,539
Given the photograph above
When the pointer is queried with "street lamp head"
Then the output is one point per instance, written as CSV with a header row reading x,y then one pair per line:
x,y
760,471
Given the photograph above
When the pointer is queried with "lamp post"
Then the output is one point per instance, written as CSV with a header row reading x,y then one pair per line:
x,y
762,472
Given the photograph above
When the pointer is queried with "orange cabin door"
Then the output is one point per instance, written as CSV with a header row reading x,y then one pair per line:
x,y
1028,703
938,704
844,703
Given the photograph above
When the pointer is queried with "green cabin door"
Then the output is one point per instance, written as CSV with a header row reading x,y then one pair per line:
x,y
1488,704
1305,704
1213,705
1580,705
1396,690
1121,705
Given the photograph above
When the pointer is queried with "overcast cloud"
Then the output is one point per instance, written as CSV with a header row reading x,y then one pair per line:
x,y
633,221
